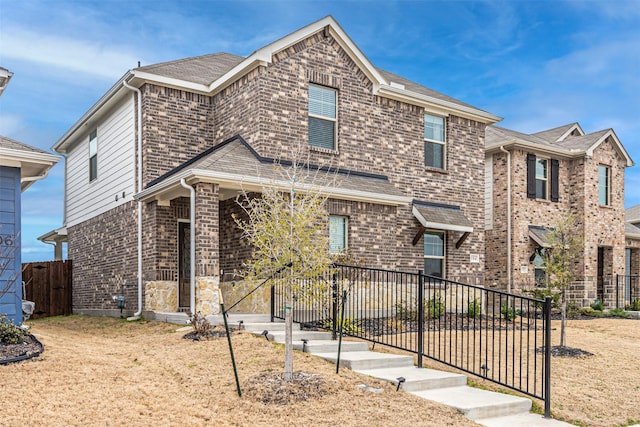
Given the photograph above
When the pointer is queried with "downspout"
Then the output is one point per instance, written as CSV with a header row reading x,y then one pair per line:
x,y
139,188
192,245
508,153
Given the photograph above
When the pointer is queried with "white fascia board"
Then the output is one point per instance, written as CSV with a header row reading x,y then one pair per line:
x,y
617,144
251,183
14,157
434,104
530,146
439,226
63,143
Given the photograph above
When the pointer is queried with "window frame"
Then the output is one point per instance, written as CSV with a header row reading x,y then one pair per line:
x,y
93,155
443,257
546,179
538,265
333,120
607,185
345,234
431,141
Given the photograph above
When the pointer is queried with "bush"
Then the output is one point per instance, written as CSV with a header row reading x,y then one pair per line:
x,y
200,324
10,333
542,293
435,307
589,311
572,310
597,305
634,306
617,312
474,309
508,313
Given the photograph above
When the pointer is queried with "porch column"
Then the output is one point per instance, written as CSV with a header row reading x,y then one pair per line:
x,y
207,274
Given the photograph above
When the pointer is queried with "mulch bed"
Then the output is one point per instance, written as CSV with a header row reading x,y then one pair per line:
x,y
272,388
564,351
30,347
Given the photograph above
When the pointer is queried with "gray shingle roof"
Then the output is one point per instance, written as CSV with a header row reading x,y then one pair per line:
x,y
441,217
582,143
236,158
203,69
496,135
553,135
15,145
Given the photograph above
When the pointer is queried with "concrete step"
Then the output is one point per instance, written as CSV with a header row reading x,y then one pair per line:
x,y
315,347
417,379
360,360
477,404
267,326
523,420
278,336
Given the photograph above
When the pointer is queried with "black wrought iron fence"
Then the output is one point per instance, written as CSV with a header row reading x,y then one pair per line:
x,y
627,292
501,337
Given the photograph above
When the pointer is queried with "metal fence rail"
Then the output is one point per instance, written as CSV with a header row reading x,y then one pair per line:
x,y
501,337
627,291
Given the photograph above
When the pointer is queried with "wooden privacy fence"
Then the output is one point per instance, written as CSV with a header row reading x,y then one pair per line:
x,y
48,285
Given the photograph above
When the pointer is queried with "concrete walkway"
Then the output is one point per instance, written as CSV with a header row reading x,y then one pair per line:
x,y
484,407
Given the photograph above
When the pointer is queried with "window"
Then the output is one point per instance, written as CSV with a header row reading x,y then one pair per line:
x,y
93,155
434,253
541,179
322,117
337,234
604,185
434,141
540,275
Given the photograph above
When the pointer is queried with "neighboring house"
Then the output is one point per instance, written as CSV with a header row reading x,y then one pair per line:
x,y
195,131
632,259
20,166
535,180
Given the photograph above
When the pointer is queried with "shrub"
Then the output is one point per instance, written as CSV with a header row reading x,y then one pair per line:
x,y
10,333
634,306
404,313
589,311
200,324
597,305
474,309
349,326
508,313
435,307
617,312
572,310
542,293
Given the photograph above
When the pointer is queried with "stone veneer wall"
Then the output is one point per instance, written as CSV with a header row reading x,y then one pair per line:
x,y
104,254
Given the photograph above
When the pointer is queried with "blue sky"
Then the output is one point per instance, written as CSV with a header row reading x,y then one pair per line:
x,y
539,64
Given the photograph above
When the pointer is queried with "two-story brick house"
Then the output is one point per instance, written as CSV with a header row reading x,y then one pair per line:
x,y
532,181
153,168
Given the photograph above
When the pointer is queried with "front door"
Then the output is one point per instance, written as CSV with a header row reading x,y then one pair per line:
x,y
184,268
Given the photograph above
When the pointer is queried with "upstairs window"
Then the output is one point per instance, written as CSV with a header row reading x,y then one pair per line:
x,y
604,185
543,178
93,155
322,117
337,234
434,141
434,258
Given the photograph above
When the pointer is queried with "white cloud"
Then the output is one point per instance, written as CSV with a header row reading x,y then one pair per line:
x,y
87,57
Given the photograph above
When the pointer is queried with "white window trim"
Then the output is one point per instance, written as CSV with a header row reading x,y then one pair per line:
x,y
329,119
94,155
547,180
444,250
435,141
608,183
346,234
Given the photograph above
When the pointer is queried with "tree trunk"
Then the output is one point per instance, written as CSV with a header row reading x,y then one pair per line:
x,y
563,321
288,340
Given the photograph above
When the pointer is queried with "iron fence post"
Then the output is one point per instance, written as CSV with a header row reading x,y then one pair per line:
x,y
334,309
420,318
617,291
273,302
547,357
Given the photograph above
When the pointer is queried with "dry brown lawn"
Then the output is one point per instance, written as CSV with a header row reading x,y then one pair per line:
x,y
107,372
103,371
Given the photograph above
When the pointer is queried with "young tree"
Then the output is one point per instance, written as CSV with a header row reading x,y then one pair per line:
x,y
287,231
564,251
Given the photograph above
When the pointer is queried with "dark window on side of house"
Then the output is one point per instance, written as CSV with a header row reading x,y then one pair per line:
x,y
93,155
542,178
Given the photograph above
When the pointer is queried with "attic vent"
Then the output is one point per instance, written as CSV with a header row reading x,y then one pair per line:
x,y
575,132
396,85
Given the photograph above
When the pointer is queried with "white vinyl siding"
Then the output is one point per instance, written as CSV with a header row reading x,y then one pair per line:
x,y
85,199
488,193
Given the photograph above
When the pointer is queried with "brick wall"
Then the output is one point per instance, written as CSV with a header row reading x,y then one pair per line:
x,y
104,254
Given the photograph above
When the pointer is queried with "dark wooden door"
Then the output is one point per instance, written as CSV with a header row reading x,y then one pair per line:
x,y
184,269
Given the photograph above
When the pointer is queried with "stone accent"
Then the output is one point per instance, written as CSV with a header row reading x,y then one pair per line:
x,y
257,303
161,296
207,295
